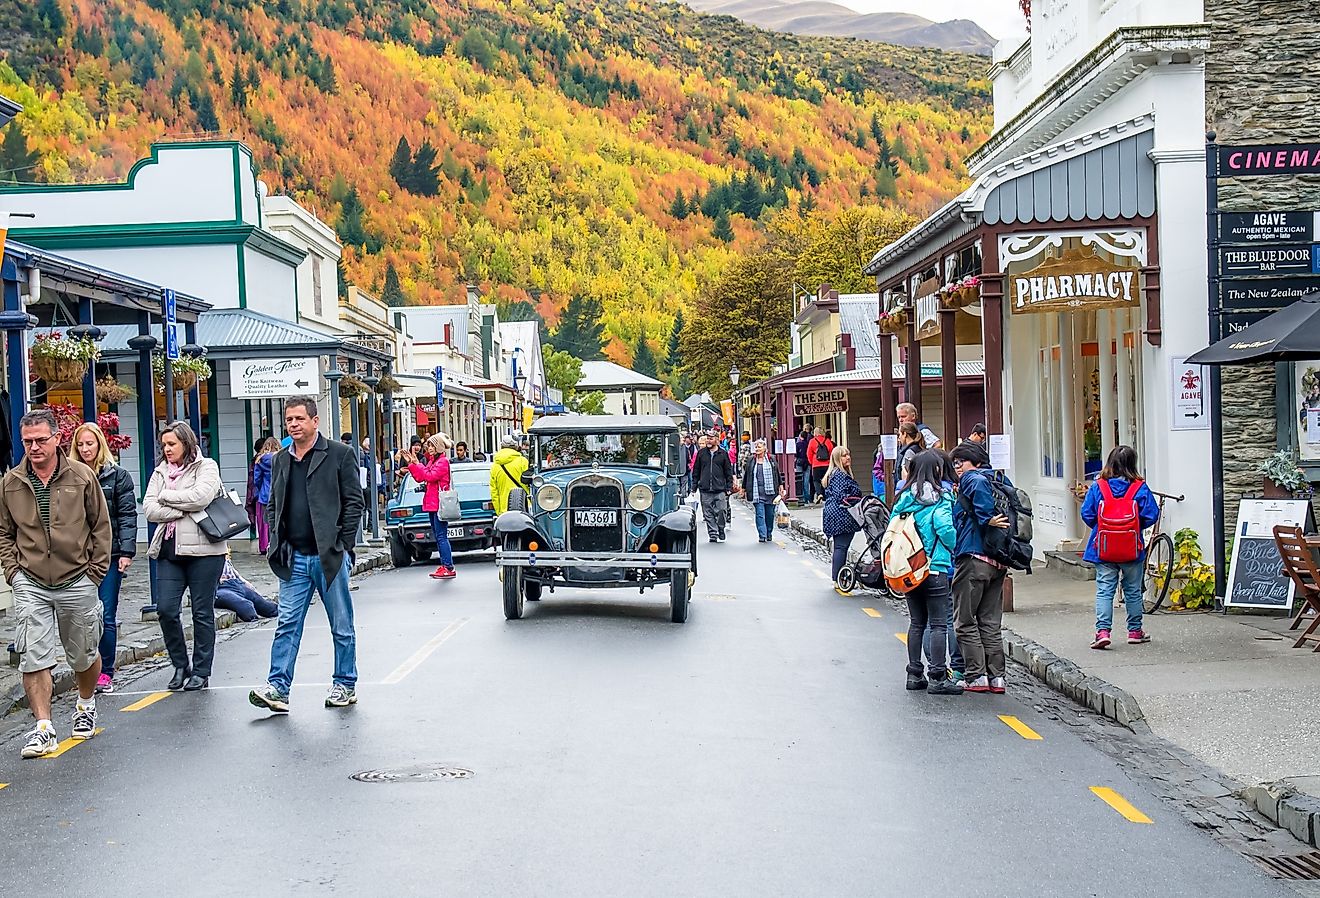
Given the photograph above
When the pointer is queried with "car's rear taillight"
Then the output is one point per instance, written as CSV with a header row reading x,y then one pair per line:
x,y
398,514
487,506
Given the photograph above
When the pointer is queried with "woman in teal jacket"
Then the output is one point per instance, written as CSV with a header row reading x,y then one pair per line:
x,y
930,503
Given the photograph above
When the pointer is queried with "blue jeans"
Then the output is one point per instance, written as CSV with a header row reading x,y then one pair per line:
x,y
955,656
928,612
295,597
440,530
841,544
765,519
1106,584
805,476
109,592
239,597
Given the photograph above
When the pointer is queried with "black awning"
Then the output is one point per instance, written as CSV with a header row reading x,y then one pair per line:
x,y
1289,335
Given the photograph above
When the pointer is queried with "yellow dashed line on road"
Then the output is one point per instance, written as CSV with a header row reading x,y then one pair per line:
x,y
146,702
901,637
1120,804
1019,727
4,785
68,744
871,612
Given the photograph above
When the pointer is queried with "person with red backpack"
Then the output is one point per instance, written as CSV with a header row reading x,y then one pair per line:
x,y
1118,508
819,451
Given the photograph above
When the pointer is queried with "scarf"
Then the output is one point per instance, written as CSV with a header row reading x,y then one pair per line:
x,y
172,474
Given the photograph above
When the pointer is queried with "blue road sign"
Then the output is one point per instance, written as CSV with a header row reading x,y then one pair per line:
x,y
1315,258
172,341
439,387
171,308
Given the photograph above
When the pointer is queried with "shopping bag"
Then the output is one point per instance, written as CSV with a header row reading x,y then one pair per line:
x,y
781,514
449,507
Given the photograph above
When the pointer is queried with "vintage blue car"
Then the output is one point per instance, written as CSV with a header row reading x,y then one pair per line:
x,y
410,529
600,509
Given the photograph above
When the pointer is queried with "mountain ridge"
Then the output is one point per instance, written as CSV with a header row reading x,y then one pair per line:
x,y
822,18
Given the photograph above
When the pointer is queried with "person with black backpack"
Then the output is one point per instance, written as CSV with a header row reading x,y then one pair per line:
x,y
1119,508
979,569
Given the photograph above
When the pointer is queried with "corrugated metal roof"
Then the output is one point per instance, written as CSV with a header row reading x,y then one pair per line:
x,y
857,320
597,375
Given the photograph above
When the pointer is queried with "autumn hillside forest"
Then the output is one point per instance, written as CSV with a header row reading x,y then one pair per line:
x,y
605,166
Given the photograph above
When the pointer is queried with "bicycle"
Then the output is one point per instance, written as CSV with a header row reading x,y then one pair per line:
x,y
1159,560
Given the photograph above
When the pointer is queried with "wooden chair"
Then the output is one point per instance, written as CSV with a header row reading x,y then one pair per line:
x,y
1299,564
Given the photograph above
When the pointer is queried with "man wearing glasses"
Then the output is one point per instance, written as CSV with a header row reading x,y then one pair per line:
x,y
55,550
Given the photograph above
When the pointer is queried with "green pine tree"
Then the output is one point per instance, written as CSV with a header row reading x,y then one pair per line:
x,y
16,160
425,177
643,358
392,292
401,164
679,209
581,332
722,230
238,88
206,117
350,228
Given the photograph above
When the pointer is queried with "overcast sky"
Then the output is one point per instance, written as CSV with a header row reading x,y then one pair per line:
x,y
1001,18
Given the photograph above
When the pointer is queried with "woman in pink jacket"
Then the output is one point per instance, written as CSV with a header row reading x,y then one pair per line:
x,y
434,472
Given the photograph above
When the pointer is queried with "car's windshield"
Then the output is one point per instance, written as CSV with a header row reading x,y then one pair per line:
x,y
568,449
471,481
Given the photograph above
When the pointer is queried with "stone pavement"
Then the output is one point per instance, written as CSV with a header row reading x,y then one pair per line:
x,y
1229,689
140,640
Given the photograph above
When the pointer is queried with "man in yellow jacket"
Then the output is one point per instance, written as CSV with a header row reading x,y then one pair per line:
x,y
506,472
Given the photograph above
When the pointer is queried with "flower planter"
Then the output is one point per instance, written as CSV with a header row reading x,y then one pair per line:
x,y
58,371
1272,490
111,392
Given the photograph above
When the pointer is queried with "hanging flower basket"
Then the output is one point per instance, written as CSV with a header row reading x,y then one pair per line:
x,y
388,384
110,391
185,371
963,293
353,387
58,359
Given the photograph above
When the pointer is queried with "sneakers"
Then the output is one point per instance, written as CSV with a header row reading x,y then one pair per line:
x,y
957,677
340,697
84,722
442,573
1136,637
1101,640
998,686
104,684
449,573
945,687
270,698
40,743
916,682
980,684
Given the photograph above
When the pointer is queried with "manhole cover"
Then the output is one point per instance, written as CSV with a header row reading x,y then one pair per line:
x,y
420,773
1294,866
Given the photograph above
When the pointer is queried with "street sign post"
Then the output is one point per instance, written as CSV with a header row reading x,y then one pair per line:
x,y
171,326
1277,259
1247,294
1247,228
439,374
273,378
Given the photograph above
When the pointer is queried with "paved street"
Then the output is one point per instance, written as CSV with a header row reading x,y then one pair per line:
x,y
767,747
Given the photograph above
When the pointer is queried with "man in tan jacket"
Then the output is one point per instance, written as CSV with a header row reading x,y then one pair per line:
x,y
55,550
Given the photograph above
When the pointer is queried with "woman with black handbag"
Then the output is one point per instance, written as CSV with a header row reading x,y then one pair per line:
x,y
184,484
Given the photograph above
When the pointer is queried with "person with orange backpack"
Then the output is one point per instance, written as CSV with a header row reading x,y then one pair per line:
x,y
1119,508
917,551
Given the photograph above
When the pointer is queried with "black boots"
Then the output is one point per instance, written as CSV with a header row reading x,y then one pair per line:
x,y
181,675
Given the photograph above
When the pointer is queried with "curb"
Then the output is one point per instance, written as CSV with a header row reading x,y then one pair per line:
x,y
1294,811
133,652
1058,673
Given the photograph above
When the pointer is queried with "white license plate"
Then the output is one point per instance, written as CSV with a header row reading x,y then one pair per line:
x,y
596,518
455,532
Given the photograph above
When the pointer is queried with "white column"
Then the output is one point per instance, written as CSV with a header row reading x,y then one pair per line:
x,y
1068,405
1105,336
1126,406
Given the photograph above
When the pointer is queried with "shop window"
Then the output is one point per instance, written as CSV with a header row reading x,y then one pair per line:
x,y
1051,410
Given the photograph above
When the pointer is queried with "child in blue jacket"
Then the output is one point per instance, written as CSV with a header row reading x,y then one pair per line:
x,y
1120,472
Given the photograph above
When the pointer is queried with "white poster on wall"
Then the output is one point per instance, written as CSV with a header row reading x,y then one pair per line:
x,y
1306,375
870,426
890,442
1189,410
1001,450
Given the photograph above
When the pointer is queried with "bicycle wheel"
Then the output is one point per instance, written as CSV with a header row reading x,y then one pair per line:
x,y
1159,572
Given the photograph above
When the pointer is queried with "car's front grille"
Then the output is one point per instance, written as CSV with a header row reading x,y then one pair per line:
x,y
595,492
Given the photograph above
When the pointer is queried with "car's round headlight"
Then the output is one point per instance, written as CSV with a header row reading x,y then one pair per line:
x,y
661,480
549,497
640,497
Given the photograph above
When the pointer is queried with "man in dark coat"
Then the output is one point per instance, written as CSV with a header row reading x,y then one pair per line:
x,y
314,510
712,475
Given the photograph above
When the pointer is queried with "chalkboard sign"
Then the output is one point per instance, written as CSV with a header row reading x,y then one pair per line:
x,y
1256,578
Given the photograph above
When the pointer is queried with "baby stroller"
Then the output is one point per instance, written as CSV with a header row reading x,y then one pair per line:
x,y
872,516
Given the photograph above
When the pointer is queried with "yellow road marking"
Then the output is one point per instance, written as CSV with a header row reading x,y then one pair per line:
x,y
821,574
70,743
872,612
423,653
146,702
1120,804
4,785
901,637
1019,727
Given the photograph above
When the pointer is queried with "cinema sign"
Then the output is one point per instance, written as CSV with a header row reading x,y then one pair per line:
x,y
1078,279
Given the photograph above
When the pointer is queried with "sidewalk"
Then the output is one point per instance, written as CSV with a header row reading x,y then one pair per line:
x,y
139,640
1229,689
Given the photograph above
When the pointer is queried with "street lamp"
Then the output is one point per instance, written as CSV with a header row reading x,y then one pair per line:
x,y
735,375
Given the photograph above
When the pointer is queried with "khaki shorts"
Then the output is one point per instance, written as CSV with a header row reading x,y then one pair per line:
x,y
49,618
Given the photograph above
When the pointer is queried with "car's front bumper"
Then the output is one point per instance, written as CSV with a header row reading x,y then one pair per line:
x,y
596,560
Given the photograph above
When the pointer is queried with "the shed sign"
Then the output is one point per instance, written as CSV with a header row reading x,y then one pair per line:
x,y
819,402
1073,281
